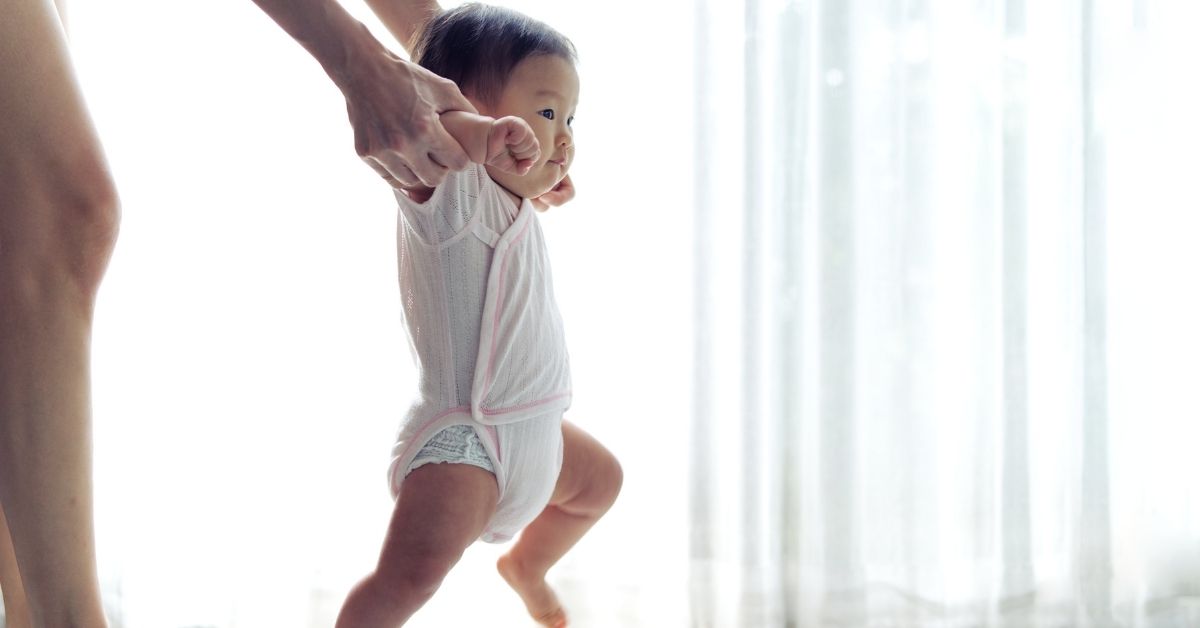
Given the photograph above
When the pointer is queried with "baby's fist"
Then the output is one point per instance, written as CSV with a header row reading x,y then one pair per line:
x,y
512,146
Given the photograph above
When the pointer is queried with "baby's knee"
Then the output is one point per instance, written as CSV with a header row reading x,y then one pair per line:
x,y
417,575
613,477
604,484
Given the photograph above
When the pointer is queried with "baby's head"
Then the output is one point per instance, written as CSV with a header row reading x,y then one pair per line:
x,y
509,64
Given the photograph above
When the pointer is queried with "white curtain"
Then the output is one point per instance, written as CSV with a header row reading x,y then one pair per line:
x,y
946,314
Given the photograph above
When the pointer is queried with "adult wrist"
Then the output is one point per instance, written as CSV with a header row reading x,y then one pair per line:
x,y
354,52
338,42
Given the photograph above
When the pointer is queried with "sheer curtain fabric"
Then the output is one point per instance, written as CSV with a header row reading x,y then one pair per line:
x,y
945,314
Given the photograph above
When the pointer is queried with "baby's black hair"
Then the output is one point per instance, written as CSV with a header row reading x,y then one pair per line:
x,y
478,45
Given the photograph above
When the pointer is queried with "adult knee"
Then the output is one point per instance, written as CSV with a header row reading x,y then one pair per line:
x,y
90,218
60,225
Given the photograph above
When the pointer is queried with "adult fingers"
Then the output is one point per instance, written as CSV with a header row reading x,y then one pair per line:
x,y
446,151
444,96
394,171
428,170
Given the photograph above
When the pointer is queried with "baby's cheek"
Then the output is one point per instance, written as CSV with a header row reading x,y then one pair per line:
x,y
527,186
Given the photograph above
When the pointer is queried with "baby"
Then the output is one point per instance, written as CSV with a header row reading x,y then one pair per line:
x,y
484,452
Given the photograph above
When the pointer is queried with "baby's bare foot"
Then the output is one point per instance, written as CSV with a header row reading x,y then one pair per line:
x,y
539,598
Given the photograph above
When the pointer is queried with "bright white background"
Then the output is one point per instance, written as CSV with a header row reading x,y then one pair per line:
x,y
250,365
946,354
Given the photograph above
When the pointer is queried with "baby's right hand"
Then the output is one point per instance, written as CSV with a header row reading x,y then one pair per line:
x,y
512,146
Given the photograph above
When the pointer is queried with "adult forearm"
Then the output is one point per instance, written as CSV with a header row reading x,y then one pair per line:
x,y
393,105
405,18
332,36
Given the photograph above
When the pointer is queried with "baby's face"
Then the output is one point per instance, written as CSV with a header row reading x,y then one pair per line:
x,y
544,91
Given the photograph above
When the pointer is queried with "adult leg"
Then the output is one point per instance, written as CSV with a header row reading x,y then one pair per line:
x,y
16,607
58,223
587,487
440,511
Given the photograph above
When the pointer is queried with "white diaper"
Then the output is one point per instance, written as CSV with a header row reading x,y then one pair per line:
x,y
525,457
457,444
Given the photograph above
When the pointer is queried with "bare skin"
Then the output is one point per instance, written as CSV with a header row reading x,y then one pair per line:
x,y
16,606
59,218
588,485
426,537
429,533
405,20
393,105
58,224
506,143
591,477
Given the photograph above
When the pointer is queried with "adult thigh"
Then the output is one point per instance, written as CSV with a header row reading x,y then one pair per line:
x,y
58,205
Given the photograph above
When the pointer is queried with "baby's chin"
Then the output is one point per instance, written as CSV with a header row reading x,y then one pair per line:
x,y
531,185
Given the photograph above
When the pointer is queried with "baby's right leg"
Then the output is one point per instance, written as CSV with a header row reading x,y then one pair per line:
x,y
441,509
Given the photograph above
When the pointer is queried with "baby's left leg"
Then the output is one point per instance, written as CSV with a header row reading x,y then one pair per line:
x,y
441,509
587,486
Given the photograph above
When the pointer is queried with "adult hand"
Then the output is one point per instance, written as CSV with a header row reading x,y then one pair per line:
x,y
394,107
393,104
563,192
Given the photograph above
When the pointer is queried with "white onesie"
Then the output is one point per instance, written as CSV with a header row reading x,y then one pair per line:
x,y
485,331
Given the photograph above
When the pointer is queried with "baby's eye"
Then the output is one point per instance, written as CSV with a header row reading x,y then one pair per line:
x,y
547,114
570,120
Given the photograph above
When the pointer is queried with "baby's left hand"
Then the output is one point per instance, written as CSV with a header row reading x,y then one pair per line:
x,y
563,192
512,146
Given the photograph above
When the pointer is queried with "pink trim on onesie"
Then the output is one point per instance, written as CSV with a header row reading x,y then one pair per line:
x,y
487,378
525,406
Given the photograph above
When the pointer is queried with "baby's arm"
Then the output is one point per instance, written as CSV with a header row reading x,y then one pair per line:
x,y
506,143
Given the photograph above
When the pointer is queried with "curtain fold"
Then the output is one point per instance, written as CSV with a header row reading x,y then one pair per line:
x,y
906,410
